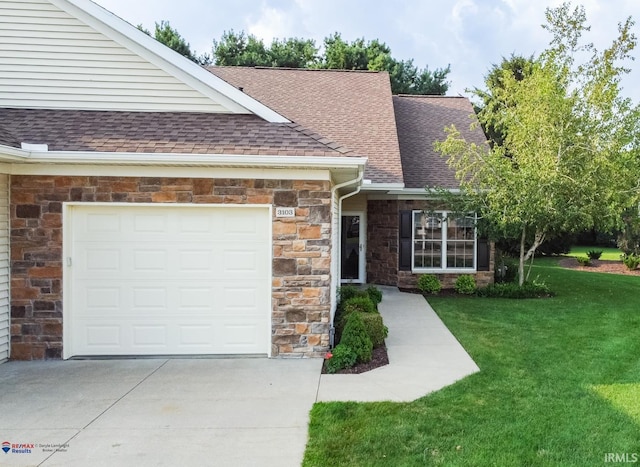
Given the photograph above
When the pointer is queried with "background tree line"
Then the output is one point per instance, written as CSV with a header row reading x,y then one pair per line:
x,y
241,49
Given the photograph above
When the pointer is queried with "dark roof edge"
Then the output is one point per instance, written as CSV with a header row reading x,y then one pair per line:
x,y
429,96
333,70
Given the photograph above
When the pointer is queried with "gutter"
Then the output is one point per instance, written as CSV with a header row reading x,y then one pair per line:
x,y
334,191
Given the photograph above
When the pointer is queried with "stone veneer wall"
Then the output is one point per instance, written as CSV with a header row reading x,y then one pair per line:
x,y
382,242
301,251
382,247
407,280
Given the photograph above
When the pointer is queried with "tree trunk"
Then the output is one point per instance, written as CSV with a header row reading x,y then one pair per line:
x,y
524,256
521,262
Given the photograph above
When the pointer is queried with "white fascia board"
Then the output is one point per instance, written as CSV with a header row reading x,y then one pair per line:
x,y
382,186
165,171
420,191
198,159
171,59
407,194
9,154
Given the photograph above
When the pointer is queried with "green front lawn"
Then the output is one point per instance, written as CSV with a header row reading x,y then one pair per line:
x,y
559,385
607,253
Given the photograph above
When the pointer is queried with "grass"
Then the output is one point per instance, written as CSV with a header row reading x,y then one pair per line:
x,y
559,385
607,253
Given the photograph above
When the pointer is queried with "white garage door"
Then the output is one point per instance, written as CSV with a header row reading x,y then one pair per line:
x,y
167,280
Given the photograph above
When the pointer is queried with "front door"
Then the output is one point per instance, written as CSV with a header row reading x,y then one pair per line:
x,y
352,247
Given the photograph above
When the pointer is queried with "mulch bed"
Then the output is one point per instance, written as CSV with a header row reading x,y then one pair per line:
x,y
380,358
598,265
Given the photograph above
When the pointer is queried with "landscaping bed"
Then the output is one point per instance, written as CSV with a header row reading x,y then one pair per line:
x,y
360,332
379,358
598,265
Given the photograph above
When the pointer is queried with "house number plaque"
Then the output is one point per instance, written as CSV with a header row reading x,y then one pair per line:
x,y
285,212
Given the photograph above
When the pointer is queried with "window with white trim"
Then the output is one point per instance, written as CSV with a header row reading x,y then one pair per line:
x,y
443,241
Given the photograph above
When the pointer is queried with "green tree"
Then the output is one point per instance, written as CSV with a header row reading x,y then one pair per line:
x,y
170,37
240,49
374,55
516,67
569,158
293,53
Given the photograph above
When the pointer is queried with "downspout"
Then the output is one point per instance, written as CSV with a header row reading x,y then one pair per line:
x,y
334,191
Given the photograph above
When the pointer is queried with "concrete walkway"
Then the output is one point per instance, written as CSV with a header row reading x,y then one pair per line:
x,y
423,356
188,412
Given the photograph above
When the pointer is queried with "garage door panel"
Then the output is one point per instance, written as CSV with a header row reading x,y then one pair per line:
x,y
145,335
229,224
98,297
101,336
170,281
152,261
226,336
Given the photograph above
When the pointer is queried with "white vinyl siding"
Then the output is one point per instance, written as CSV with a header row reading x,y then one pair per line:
x,y
49,59
4,268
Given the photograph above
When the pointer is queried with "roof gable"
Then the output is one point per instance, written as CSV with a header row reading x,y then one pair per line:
x,y
421,121
74,54
353,108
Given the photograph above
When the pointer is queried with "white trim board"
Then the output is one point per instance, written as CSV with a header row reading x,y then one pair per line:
x,y
168,172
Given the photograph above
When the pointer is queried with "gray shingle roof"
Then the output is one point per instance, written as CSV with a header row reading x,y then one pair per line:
x,y
353,108
421,121
7,138
161,132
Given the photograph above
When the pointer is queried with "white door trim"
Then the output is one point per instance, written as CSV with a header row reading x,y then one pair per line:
x,y
67,249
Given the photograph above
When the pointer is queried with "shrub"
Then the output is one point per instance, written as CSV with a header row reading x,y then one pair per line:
x,y
374,294
376,330
465,284
631,261
363,304
583,260
429,283
356,338
349,291
513,290
506,269
346,293
629,237
342,357
594,254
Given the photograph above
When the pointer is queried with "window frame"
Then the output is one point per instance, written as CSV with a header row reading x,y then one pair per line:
x,y
444,241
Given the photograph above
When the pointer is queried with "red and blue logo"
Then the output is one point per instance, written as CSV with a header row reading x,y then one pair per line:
x,y
6,446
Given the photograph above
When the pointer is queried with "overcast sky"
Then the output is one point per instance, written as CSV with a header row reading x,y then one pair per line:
x,y
470,35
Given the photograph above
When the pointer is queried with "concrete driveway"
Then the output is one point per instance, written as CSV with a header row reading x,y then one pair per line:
x,y
156,412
